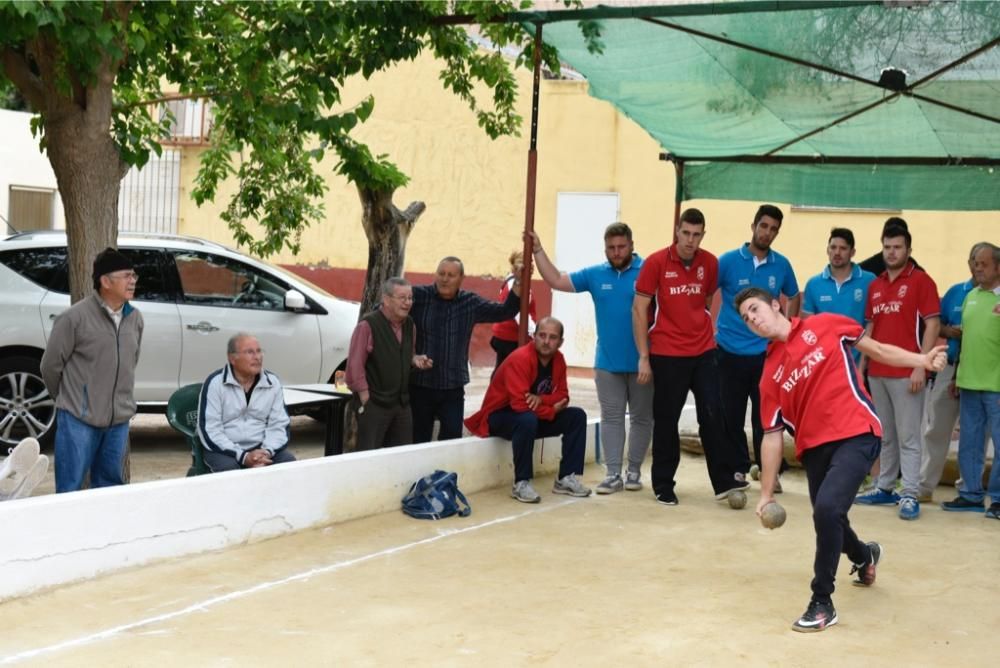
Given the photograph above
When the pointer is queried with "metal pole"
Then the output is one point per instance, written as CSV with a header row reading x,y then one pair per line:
x,y
529,200
678,192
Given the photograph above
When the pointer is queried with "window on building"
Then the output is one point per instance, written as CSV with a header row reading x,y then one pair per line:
x,y
30,208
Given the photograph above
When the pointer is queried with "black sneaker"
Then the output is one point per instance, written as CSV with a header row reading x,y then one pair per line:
x,y
667,498
817,617
866,570
993,512
962,504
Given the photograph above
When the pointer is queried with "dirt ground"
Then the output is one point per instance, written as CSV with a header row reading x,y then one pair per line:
x,y
590,582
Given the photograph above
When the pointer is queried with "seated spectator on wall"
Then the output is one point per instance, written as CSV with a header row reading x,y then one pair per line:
x,y
242,420
528,398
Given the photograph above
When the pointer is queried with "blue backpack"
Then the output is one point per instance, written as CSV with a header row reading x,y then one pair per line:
x,y
436,496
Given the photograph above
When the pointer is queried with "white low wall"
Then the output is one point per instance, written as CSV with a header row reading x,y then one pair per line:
x,y
59,538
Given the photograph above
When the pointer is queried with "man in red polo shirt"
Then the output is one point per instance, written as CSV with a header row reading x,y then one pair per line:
x,y
811,388
901,300
677,354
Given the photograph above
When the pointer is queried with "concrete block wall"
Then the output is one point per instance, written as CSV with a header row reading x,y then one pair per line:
x,y
57,539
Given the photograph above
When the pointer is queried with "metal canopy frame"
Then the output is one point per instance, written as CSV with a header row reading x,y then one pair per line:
x,y
653,15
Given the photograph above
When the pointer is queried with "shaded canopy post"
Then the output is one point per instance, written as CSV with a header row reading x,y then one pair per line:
x,y
529,199
678,191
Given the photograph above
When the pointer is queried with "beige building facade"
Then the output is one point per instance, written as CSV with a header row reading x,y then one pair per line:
x,y
475,187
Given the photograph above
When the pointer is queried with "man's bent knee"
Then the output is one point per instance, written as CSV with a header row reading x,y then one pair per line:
x,y
575,415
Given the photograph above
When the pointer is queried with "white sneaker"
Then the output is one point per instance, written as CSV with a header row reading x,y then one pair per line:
x,y
21,458
570,485
21,486
524,492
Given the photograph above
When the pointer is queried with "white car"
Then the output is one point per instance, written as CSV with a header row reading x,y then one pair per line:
x,y
193,294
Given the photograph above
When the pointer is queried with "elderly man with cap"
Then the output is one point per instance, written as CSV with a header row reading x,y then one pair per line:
x,y
89,368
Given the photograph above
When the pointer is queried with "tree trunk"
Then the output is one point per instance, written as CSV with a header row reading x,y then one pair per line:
x,y
89,171
387,229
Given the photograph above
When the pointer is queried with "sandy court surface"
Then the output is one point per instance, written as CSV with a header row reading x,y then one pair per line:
x,y
598,581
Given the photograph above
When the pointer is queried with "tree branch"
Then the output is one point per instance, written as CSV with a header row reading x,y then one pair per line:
x,y
15,66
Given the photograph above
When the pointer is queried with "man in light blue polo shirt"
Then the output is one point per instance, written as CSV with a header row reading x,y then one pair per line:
x,y
740,352
611,285
842,286
942,406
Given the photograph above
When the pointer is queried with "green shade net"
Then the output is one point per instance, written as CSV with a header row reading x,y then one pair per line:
x,y
715,105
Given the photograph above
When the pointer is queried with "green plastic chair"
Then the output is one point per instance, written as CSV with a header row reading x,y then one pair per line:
x,y
182,414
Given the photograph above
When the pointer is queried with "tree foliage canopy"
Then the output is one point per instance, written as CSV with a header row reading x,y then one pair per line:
x,y
274,73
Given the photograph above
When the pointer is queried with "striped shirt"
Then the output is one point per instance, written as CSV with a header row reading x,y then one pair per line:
x,y
444,329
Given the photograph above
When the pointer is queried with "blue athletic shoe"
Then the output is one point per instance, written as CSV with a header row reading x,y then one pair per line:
x,y
909,508
877,497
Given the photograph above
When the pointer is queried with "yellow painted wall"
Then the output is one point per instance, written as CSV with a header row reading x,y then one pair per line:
x,y
474,187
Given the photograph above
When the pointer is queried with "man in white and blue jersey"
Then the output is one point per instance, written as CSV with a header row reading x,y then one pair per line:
x,y
842,286
740,352
611,285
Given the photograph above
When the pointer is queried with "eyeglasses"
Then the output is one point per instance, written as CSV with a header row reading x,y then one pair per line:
x,y
404,298
251,352
127,276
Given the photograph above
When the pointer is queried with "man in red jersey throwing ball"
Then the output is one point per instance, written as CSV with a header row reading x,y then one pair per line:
x,y
811,388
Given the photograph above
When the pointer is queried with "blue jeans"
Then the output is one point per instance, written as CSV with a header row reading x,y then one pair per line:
x,y
978,411
81,447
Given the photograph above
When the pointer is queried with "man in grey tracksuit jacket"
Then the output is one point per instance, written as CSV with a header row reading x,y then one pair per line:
x,y
242,420
89,368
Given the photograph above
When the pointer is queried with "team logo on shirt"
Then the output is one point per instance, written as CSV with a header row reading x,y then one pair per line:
x,y
701,273
809,362
670,274
876,295
902,291
608,286
777,374
859,294
888,307
689,289
772,282
809,337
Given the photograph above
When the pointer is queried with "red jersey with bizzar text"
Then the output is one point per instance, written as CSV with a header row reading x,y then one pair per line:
x,y
811,387
896,309
683,326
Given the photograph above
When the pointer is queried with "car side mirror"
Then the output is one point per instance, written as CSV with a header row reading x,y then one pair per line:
x,y
295,301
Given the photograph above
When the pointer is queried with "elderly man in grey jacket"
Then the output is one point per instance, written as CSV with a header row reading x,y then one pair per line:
x,y
89,367
242,420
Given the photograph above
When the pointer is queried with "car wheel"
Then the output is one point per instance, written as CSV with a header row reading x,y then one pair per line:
x,y
26,407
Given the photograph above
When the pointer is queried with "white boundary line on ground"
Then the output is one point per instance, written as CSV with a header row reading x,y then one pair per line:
x,y
263,586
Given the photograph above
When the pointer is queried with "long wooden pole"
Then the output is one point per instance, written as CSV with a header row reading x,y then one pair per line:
x,y
529,200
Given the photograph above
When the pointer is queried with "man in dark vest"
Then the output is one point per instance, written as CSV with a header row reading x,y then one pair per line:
x,y
378,369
